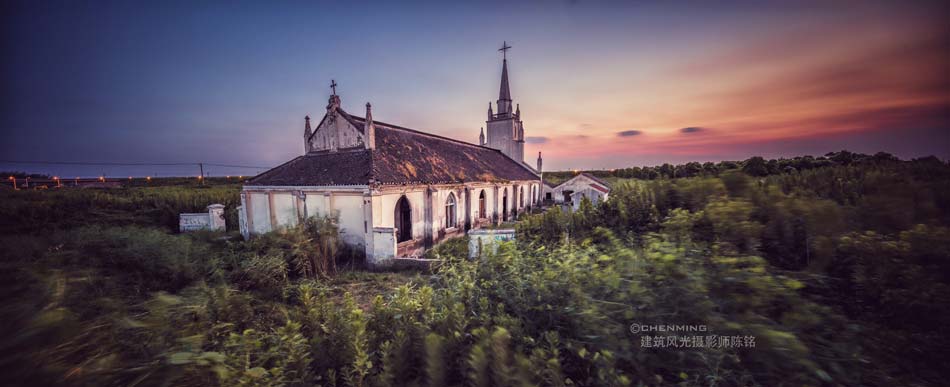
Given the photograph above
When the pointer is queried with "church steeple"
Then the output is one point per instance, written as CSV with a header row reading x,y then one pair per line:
x,y
504,130
504,93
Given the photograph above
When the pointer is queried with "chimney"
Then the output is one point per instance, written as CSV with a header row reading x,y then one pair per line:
x,y
481,137
370,128
539,161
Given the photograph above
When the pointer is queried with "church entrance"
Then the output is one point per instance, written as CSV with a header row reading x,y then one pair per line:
x,y
403,220
481,205
504,206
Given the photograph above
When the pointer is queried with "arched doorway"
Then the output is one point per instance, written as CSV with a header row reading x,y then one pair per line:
x,y
504,206
481,205
403,220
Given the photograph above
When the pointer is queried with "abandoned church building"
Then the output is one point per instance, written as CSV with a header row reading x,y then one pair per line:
x,y
397,191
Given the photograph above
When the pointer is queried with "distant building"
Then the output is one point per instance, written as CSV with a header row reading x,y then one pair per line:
x,y
572,191
397,191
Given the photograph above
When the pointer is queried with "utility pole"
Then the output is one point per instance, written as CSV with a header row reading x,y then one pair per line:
x,y
201,176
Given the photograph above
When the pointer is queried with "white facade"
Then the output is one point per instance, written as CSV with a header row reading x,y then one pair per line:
x,y
368,216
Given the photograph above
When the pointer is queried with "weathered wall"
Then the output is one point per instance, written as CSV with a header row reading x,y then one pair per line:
x,y
349,208
592,194
285,209
260,213
361,227
484,242
384,245
335,132
317,204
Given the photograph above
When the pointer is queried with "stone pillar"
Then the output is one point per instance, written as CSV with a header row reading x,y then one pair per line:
x,y
495,205
428,217
369,243
216,217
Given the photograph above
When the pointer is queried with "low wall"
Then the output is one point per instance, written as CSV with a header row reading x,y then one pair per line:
x,y
485,241
384,247
212,220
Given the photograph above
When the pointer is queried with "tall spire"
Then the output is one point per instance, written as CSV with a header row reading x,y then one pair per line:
x,y
504,94
481,137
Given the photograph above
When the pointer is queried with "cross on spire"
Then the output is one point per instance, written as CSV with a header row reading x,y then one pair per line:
x,y
333,86
504,50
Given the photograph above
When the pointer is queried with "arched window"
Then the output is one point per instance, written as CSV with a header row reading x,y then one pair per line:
x,y
403,220
481,205
450,218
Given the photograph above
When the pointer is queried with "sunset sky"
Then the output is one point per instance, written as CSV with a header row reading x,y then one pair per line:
x,y
600,84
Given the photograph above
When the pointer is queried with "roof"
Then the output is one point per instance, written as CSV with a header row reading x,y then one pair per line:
x,y
402,156
602,185
595,178
350,167
600,188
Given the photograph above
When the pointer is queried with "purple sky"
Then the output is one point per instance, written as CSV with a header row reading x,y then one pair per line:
x,y
601,84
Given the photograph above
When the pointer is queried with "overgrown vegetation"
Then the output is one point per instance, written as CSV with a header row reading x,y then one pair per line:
x,y
840,274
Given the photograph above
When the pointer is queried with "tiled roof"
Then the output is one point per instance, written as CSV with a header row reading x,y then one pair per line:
x,y
402,156
347,167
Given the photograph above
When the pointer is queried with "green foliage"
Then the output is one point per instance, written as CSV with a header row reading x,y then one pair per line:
x,y
838,270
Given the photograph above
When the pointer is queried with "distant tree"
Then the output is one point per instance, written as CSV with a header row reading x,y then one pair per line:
x,y
755,166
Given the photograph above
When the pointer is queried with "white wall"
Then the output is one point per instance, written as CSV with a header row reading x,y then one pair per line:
x,y
260,213
285,209
350,210
347,205
316,204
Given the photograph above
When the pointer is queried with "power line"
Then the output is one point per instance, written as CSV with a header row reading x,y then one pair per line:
x,y
235,166
123,164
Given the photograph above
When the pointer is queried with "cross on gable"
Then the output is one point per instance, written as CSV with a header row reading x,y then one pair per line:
x,y
333,86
